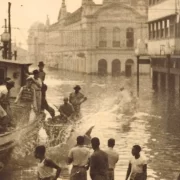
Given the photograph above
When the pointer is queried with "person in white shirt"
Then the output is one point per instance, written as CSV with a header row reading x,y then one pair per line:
x,y
113,158
137,169
5,114
37,86
79,157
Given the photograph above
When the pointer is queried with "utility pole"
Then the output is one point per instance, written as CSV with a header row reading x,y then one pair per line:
x,y
9,29
5,43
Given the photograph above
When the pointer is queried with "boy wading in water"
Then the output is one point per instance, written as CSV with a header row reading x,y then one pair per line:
x,y
45,166
137,169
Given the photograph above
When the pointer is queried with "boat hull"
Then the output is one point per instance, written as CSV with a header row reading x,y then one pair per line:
x,y
11,139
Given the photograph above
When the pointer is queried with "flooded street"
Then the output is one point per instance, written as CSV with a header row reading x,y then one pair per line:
x,y
155,125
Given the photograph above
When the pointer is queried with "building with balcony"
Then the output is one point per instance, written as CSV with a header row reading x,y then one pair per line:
x,y
164,43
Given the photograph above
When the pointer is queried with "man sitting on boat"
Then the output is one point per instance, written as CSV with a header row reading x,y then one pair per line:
x,y
76,99
66,110
27,98
5,113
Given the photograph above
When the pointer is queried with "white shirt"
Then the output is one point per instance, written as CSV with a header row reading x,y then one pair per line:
x,y
137,164
3,91
80,155
35,86
44,171
113,157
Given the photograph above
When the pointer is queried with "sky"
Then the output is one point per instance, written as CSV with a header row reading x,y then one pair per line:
x,y
25,12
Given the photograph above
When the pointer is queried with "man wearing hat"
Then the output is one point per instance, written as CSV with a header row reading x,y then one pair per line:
x,y
77,98
27,98
42,74
5,113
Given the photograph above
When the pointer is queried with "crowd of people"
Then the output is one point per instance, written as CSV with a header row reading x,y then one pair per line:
x,y
32,96
100,163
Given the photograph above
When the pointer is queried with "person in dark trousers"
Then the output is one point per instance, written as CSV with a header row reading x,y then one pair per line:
x,y
79,157
137,169
113,158
98,162
45,105
45,166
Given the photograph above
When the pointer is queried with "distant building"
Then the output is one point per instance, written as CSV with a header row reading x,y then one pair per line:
x,y
36,43
22,54
164,43
98,38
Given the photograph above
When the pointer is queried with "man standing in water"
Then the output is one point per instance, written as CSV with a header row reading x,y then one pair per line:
x,y
98,162
137,169
113,158
76,99
79,157
46,166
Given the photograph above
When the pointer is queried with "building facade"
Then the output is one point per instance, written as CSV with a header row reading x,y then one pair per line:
x,y
164,43
36,42
98,38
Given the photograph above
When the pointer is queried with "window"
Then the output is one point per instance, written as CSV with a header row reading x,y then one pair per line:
x,y
116,37
130,37
162,28
167,28
178,29
102,37
172,27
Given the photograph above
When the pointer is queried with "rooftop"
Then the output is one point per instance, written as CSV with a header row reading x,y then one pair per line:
x,y
14,62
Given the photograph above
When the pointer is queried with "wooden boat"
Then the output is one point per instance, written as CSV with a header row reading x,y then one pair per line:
x,y
57,129
25,126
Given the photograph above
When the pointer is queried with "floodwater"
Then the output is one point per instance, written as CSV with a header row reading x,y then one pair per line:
x,y
155,125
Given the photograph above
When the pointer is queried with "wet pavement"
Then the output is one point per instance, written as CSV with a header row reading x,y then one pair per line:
x,y
155,125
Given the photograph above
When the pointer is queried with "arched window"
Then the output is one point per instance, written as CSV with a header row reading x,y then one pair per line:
x,y
130,37
102,37
116,37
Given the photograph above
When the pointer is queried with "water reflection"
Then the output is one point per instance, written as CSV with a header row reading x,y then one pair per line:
x,y
159,137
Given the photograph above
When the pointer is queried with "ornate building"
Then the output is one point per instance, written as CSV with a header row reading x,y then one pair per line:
x,y
97,38
36,42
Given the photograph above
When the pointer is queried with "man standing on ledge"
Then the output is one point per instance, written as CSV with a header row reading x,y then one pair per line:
x,y
76,99
98,162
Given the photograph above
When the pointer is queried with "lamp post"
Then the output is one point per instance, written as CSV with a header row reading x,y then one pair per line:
x,y
168,54
137,55
5,37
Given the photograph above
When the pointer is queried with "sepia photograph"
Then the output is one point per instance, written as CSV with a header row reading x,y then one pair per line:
x,y
89,89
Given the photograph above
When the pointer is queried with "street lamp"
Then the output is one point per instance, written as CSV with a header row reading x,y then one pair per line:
x,y
5,37
168,54
137,55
